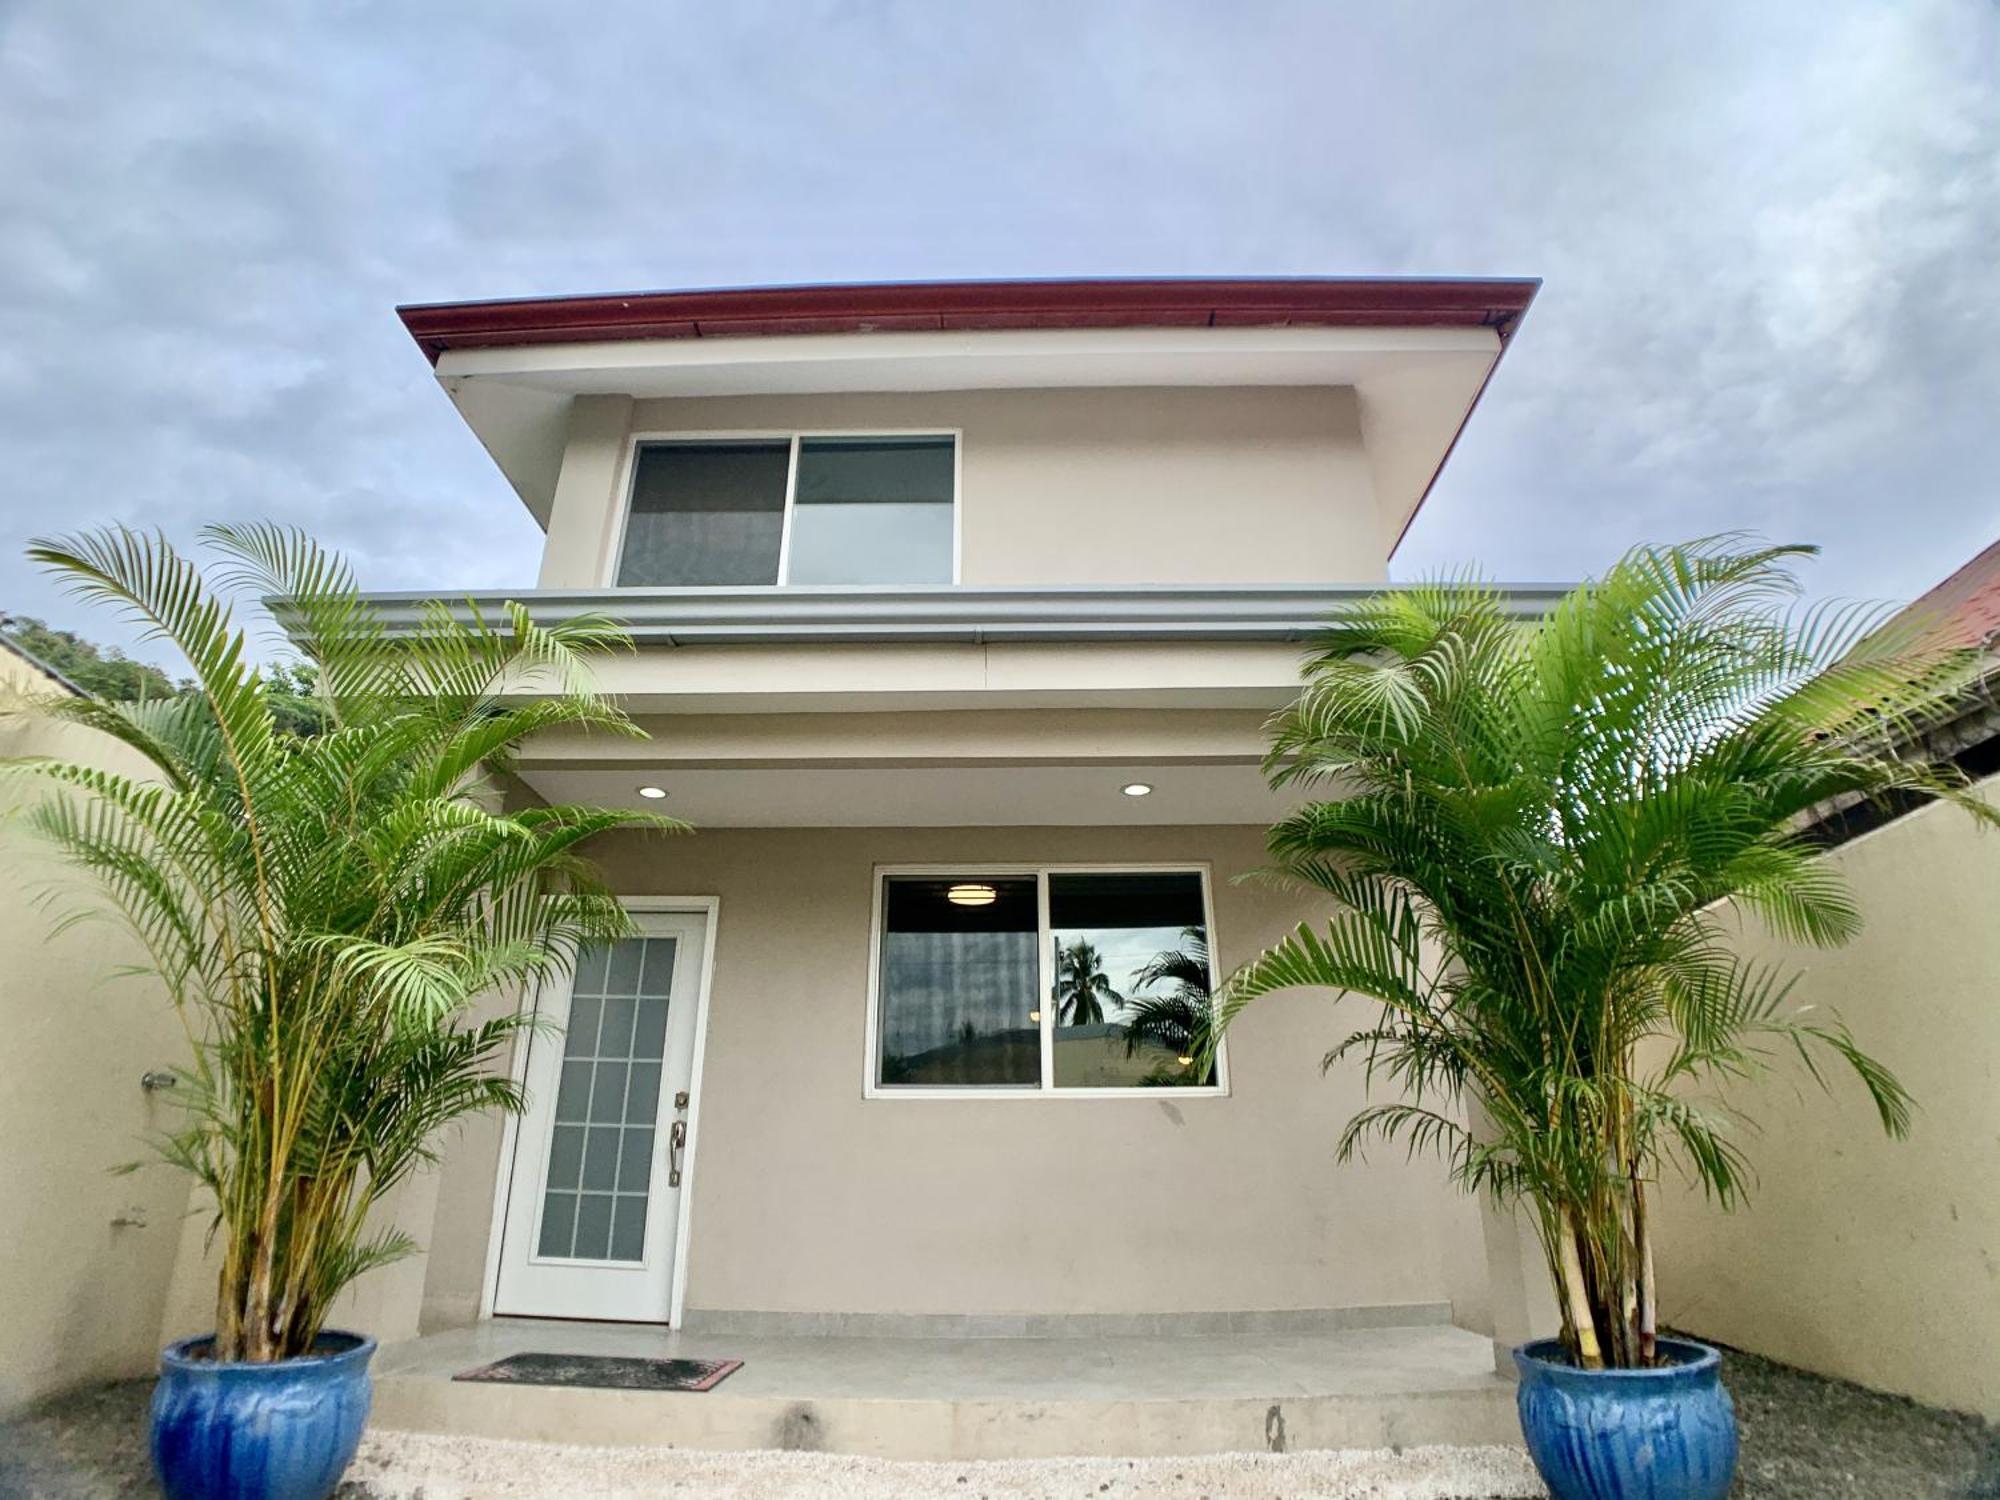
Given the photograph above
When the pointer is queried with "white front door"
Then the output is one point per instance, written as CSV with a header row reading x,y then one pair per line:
x,y
594,1192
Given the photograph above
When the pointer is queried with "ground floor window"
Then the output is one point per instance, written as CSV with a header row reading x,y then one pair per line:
x,y
1041,980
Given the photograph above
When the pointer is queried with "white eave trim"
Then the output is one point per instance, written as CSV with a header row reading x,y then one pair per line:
x,y
795,616
814,364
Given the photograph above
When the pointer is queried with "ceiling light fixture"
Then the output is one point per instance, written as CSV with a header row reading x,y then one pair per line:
x,y
971,895
654,792
1137,789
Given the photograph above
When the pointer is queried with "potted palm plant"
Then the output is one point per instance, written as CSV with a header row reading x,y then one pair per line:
x,y
324,909
1534,836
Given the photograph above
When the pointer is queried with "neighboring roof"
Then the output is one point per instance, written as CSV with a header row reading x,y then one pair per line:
x,y
1964,610
1961,612
903,307
41,666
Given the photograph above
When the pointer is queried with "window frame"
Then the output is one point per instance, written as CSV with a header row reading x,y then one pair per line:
x,y
628,477
873,1088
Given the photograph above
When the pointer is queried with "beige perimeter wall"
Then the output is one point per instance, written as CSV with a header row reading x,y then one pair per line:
x,y
1870,1259
1188,486
808,1197
85,1255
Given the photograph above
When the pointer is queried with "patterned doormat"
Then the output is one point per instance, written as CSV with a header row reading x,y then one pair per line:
x,y
606,1372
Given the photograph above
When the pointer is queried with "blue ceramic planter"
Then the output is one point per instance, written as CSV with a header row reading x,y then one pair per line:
x,y
284,1431
1662,1434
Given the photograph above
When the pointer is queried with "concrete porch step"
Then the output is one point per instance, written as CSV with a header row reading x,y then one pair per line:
x,y
973,1398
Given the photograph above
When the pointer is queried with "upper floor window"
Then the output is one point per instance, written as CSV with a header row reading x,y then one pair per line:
x,y
804,509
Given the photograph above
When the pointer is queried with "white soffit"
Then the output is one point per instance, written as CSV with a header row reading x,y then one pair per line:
x,y
930,797
1416,385
1025,358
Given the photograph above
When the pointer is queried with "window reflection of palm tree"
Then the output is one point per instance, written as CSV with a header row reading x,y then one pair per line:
x,y
1179,1019
1082,986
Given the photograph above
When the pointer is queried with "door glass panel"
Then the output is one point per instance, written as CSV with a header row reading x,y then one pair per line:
x,y
657,975
600,1159
643,1092
628,1229
635,1159
593,1227
566,1157
652,1024
558,1224
607,1095
573,1097
614,1038
584,1014
607,1104
627,961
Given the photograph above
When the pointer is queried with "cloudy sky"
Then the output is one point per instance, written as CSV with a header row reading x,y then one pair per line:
x,y
1768,234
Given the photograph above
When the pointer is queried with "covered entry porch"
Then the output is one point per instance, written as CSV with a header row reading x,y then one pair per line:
x,y
1309,1384
953,1247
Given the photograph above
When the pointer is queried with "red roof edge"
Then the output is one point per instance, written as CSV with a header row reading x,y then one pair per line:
x,y
1319,302
1964,608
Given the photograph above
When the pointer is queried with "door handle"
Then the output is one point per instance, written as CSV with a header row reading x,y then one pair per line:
x,y
677,1138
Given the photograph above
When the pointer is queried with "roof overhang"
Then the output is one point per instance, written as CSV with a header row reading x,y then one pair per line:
x,y
851,650
797,616
972,307
1417,352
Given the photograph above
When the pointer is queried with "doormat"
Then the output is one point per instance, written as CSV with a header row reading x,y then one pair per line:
x,y
606,1372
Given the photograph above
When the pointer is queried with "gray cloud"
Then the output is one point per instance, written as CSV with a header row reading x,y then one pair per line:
x,y
1766,231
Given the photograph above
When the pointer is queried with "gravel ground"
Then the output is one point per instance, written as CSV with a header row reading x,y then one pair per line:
x,y
1804,1438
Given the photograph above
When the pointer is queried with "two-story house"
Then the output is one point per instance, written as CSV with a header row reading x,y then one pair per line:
x,y
959,611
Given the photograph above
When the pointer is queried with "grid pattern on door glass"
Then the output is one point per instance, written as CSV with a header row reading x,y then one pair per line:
x,y
600,1164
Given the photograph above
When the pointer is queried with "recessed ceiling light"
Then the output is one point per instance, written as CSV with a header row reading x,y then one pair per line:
x,y
655,792
1137,789
971,895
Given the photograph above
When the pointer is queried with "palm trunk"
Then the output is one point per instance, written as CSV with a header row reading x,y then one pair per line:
x,y
1576,1297
229,1305
1606,1287
290,1293
1647,1319
262,1344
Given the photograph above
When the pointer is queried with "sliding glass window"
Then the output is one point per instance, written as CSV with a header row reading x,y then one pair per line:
x,y
1131,986
958,983
1042,981
799,509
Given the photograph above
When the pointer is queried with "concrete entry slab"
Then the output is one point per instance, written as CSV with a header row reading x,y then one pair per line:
x,y
934,1398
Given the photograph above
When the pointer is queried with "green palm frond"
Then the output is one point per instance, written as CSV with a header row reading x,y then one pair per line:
x,y
1527,833
327,912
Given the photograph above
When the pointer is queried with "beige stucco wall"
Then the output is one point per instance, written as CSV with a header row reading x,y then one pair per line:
x,y
809,1197
80,1295
1870,1259
1007,675
1183,485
